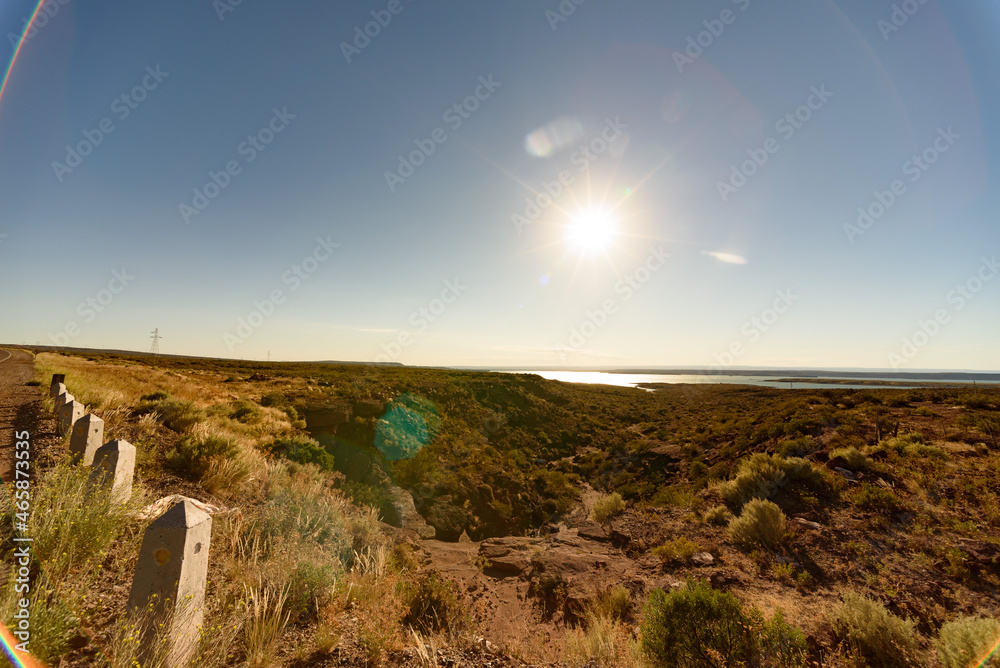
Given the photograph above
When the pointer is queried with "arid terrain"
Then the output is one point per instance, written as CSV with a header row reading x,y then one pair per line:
x,y
385,515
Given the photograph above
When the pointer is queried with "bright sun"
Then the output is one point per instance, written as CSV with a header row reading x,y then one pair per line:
x,y
591,231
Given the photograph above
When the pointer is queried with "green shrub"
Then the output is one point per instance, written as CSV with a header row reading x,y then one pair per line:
x,y
275,399
781,644
243,411
685,627
974,401
432,606
190,457
607,507
403,558
797,447
362,494
875,498
874,634
912,444
310,587
899,443
154,396
760,476
700,627
927,451
177,415
613,603
964,642
718,515
679,549
761,524
303,451
855,458
676,496
300,517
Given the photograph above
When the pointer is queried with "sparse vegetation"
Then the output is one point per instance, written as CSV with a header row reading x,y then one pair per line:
x,y
855,459
303,451
875,498
604,641
761,476
875,635
678,550
700,627
761,524
718,515
965,642
507,455
191,456
178,415
686,627
432,606
607,507
614,603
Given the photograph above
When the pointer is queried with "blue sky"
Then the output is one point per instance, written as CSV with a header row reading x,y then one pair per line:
x,y
309,251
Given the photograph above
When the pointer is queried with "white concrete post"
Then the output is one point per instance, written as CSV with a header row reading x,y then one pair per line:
x,y
57,380
68,416
87,436
170,578
63,397
114,465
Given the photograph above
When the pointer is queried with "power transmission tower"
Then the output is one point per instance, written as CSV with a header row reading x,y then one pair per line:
x,y
155,348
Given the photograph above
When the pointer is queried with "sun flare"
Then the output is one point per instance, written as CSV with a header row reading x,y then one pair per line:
x,y
591,231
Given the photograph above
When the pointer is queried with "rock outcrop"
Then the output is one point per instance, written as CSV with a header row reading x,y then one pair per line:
x,y
402,513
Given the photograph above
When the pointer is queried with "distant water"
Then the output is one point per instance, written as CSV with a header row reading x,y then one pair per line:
x,y
633,380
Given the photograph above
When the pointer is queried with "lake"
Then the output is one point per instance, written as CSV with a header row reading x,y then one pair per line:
x,y
634,379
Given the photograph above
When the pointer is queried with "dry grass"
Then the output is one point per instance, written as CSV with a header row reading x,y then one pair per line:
x,y
607,507
266,620
604,641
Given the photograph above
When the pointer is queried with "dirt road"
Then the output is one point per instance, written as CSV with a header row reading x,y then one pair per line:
x,y
20,408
